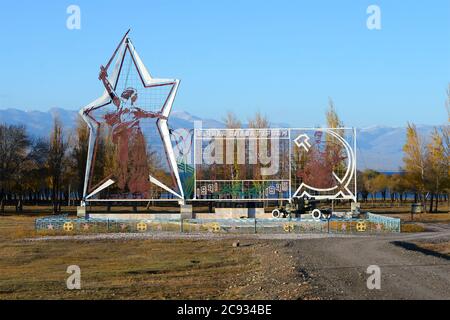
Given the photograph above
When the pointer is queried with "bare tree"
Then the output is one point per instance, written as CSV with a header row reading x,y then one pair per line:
x,y
14,148
231,121
34,171
259,121
14,151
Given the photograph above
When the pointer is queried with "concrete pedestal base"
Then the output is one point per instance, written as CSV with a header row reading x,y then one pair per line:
x,y
186,211
355,207
232,213
81,212
134,216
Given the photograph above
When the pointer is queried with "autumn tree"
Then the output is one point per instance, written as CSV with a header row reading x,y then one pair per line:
x,y
438,161
414,160
436,167
232,122
317,165
362,191
368,180
381,185
445,133
397,187
333,120
447,104
334,148
259,121
56,162
79,144
102,163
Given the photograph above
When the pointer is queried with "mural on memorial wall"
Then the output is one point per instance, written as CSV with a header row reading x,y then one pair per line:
x,y
274,164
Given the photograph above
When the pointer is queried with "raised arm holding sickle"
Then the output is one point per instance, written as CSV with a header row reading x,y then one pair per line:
x,y
137,112
103,76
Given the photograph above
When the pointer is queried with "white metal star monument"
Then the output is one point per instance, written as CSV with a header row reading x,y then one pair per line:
x,y
125,111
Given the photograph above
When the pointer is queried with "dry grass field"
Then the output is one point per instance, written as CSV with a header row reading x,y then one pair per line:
x,y
440,247
404,212
141,269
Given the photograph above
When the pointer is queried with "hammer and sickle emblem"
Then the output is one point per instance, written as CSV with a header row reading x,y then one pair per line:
x,y
302,141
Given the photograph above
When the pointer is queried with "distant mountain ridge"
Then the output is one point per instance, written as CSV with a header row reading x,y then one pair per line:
x,y
378,147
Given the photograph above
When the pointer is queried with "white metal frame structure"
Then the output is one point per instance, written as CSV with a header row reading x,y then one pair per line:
x,y
105,99
347,185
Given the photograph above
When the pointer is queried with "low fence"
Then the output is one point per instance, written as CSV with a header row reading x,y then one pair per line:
x,y
81,225
388,223
371,223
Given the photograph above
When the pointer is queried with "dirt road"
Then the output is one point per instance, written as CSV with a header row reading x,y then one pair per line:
x,y
336,267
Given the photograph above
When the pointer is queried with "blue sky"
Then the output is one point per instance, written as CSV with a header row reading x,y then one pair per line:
x,y
282,58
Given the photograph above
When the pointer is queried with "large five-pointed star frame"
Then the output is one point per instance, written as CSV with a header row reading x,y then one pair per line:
x,y
161,123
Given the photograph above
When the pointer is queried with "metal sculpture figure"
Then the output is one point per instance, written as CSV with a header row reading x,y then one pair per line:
x,y
127,136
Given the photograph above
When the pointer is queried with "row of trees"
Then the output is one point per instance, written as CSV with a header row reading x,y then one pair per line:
x,y
42,169
424,176
52,169
427,160
395,188
425,172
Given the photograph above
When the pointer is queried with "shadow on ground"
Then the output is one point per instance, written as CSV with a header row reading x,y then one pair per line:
x,y
413,247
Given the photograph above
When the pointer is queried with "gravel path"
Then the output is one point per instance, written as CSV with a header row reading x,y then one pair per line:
x,y
337,267
187,236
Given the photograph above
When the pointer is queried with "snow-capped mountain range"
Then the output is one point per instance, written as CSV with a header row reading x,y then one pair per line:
x,y
378,147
